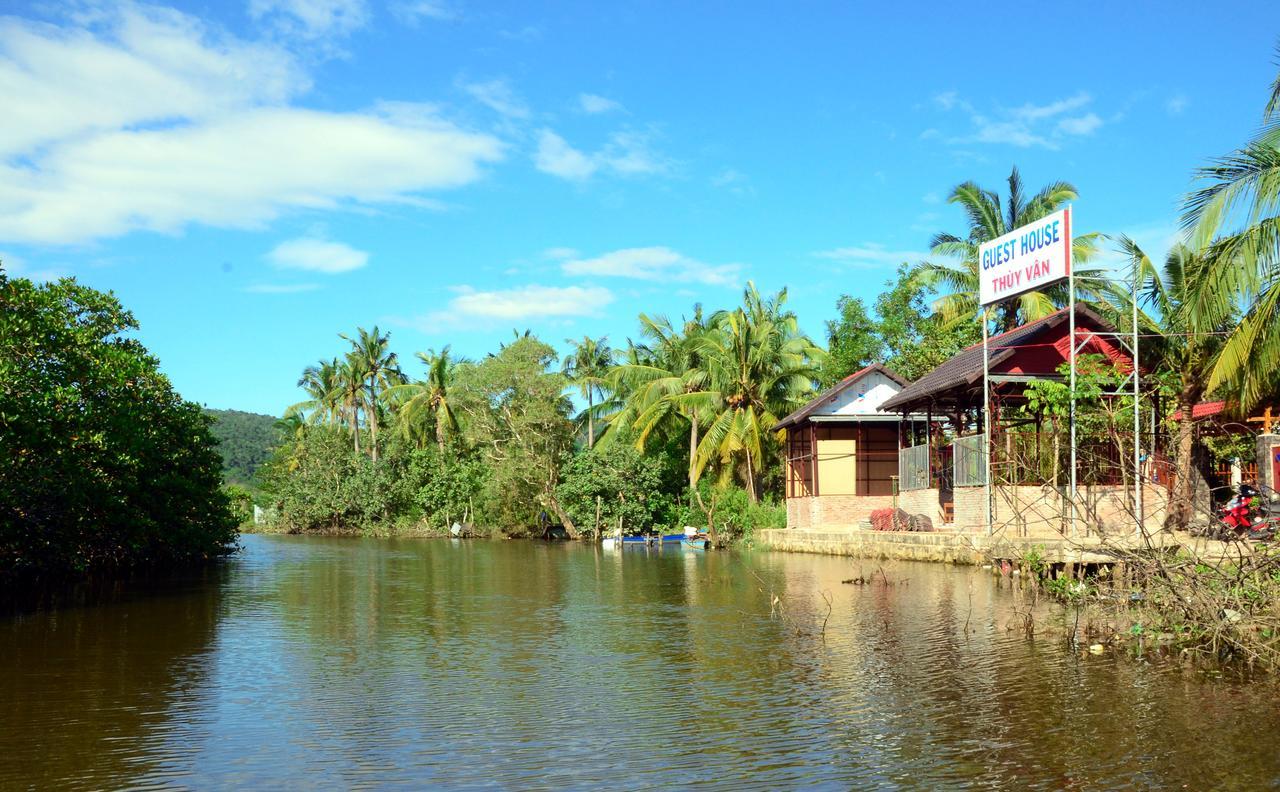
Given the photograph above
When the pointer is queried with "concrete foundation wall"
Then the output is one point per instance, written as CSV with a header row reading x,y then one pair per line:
x,y
944,546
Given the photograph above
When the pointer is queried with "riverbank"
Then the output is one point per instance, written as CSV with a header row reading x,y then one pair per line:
x,y
947,547
1193,596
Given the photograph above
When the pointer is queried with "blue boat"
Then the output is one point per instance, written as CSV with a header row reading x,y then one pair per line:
x,y
697,542
653,539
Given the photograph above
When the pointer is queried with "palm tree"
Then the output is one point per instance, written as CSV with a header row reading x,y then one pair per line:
x,y
758,367
586,366
1188,343
351,394
656,381
957,280
320,382
429,397
370,351
1242,264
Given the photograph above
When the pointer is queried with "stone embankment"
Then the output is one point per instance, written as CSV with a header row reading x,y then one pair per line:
x,y
945,546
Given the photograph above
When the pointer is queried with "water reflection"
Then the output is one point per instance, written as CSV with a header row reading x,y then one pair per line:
x,y
345,663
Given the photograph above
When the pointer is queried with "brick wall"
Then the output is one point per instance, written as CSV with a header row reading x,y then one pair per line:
x,y
922,501
825,511
1043,512
970,509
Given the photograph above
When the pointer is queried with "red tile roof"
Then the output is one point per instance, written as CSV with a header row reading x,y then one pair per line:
x,y
965,368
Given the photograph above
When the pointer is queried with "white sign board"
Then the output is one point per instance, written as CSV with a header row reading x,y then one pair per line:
x,y
1027,258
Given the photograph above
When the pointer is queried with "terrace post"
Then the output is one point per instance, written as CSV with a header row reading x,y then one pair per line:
x,y
1071,334
986,426
1268,457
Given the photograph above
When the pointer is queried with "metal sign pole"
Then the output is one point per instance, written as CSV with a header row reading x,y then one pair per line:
x,y
986,421
1071,308
1138,483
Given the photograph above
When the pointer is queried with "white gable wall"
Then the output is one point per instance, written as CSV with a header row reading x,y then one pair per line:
x,y
863,397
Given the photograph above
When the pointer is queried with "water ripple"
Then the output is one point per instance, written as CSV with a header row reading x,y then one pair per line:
x,y
361,664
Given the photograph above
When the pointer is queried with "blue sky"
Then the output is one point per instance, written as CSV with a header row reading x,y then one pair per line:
x,y
253,178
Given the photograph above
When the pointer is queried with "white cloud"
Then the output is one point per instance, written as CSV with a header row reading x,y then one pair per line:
x,y
498,96
627,153
144,66
526,33
281,288
594,104
414,11
557,157
526,302
871,256
728,177
317,255
947,100
312,19
1030,112
15,267
471,307
145,120
1176,105
654,264
1030,125
1081,125
734,181
559,253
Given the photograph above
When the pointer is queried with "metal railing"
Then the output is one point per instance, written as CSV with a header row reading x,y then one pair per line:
x,y
970,461
913,468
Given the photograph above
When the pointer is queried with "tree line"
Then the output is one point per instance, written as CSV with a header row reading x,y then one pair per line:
x,y
674,427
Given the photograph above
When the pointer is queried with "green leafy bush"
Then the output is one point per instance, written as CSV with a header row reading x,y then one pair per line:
x,y
447,485
241,503
733,515
104,465
625,486
319,483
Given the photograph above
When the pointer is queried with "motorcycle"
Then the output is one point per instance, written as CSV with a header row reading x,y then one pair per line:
x,y
1249,516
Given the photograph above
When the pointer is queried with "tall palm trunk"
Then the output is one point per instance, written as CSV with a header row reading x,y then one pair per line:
x,y
355,425
751,480
1180,511
373,420
693,450
591,421
440,432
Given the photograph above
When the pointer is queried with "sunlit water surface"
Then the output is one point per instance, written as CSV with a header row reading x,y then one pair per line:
x,y
343,663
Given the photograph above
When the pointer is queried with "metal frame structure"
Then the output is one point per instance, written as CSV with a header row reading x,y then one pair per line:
x,y
1135,374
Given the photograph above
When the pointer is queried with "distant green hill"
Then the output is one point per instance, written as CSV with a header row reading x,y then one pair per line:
x,y
245,440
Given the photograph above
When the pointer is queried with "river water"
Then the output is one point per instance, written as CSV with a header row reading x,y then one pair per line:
x,y
339,663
